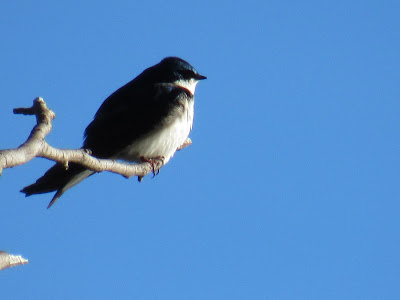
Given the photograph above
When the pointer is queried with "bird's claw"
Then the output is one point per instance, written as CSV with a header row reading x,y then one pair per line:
x,y
153,161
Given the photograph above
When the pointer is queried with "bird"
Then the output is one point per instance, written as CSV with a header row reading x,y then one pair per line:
x,y
147,119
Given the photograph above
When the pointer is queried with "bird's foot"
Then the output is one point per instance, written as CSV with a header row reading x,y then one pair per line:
x,y
154,161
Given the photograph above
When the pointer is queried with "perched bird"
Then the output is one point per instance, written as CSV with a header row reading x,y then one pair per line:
x,y
147,119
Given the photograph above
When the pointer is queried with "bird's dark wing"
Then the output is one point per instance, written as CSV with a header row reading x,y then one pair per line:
x,y
128,114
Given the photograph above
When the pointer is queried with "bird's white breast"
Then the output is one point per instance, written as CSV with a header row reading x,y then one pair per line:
x,y
164,140
190,84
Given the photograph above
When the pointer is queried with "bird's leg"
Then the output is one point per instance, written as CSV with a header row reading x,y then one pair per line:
x,y
153,161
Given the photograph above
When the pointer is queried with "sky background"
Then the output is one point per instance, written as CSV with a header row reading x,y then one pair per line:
x,y
289,191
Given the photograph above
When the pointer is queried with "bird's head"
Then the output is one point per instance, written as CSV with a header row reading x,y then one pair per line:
x,y
179,72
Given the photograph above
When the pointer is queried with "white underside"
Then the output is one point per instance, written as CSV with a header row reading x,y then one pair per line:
x,y
165,140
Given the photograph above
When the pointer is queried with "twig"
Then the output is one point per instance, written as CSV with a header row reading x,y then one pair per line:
x,y
8,260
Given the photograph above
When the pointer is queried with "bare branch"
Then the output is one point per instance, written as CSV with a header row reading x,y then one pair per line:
x,y
36,146
187,143
8,260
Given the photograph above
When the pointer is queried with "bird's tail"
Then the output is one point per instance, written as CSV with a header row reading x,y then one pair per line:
x,y
58,178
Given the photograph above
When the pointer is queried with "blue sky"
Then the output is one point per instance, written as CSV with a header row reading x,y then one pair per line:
x,y
289,191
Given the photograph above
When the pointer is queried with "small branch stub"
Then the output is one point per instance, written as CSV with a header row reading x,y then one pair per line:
x,y
8,260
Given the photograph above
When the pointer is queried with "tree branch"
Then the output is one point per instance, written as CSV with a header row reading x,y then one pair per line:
x,y
8,260
36,146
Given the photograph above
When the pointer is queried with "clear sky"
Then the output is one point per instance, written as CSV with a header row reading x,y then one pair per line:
x,y
289,191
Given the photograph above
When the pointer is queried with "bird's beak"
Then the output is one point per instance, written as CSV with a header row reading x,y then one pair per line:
x,y
200,77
